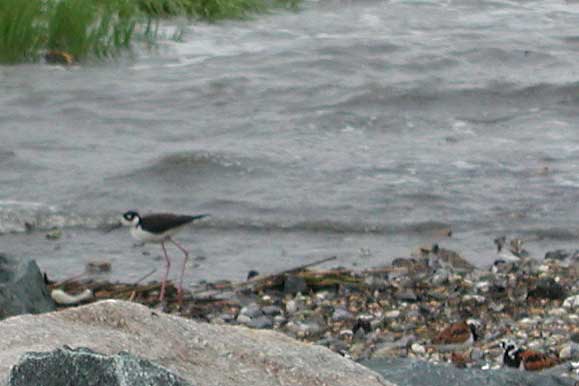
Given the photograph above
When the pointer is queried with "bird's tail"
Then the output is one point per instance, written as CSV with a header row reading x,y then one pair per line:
x,y
199,217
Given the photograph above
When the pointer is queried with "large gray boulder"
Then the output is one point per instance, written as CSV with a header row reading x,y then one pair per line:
x,y
202,354
22,288
76,367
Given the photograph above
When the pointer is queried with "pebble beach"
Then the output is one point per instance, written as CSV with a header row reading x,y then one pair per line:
x,y
397,310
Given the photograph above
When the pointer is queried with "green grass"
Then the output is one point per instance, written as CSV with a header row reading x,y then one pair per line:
x,y
213,10
103,28
83,28
20,31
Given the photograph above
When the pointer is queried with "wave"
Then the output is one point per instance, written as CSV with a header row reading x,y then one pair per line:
x,y
425,95
38,218
183,165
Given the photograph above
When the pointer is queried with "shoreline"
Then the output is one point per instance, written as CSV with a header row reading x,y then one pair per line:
x,y
394,311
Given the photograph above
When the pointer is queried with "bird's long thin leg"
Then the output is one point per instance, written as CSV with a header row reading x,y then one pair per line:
x,y
168,267
180,290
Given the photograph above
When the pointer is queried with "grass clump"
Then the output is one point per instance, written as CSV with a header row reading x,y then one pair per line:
x,y
102,28
212,10
83,27
20,30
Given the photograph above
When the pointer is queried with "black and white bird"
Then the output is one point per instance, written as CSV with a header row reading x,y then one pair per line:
x,y
159,228
529,360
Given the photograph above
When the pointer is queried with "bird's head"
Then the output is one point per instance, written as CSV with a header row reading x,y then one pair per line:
x,y
509,347
130,218
475,328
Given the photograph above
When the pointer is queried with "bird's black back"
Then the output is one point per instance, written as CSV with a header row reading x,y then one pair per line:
x,y
162,222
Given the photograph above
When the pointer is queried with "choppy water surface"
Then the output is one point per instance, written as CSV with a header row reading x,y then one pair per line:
x,y
355,129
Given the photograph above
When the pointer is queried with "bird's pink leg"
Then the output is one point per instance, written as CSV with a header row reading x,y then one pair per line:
x,y
180,290
168,265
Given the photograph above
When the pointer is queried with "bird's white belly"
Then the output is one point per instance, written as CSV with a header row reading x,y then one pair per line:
x,y
147,237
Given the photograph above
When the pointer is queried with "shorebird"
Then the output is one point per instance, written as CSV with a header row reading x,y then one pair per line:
x,y
529,360
459,333
159,228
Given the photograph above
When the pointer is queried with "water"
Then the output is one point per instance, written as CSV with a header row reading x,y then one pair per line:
x,y
356,129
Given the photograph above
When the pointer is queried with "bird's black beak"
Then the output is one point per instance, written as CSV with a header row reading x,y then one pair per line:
x,y
112,227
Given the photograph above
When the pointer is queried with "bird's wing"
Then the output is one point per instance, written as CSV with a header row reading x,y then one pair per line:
x,y
162,222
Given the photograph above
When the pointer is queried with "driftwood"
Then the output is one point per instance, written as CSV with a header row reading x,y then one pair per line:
x,y
258,283
148,293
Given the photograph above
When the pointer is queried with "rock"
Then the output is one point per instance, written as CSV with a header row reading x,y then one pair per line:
x,y
272,310
406,295
22,288
303,329
294,284
200,353
571,302
476,354
547,288
261,322
569,351
392,314
418,348
82,366
341,314
243,319
252,310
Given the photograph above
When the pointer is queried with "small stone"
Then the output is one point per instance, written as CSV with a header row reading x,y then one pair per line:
x,y
557,312
243,319
54,234
571,302
418,348
291,307
392,314
476,354
547,288
251,274
252,310
271,310
566,352
303,329
406,295
474,298
226,317
261,322
294,284
279,319
341,314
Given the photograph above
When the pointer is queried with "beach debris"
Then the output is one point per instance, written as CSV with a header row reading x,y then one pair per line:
x,y
54,234
59,57
63,298
96,267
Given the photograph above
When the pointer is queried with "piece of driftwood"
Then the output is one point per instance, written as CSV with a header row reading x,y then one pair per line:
x,y
259,283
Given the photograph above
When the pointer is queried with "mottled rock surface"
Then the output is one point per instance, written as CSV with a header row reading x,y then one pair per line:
x,y
201,353
22,288
81,366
